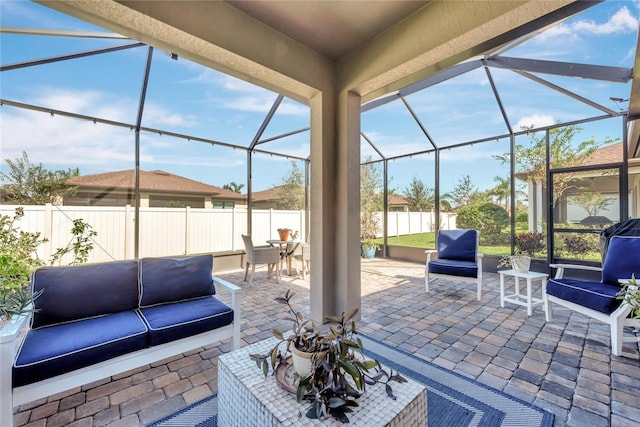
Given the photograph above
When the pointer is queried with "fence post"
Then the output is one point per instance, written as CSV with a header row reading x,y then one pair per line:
x,y
187,226
48,230
127,232
233,228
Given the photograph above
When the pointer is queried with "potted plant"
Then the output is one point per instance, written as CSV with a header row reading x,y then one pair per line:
x,y
338,370
369,248
630,292
284,234
18,259
526,244
520,261
369,226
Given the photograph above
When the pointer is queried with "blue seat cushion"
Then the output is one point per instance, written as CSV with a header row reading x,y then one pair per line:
x,y
597,296
164,280
453,267
459,245
95,289
54,350
168,322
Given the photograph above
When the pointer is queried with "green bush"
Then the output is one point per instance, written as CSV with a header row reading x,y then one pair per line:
x,y
580,244
18,259
530,242
489,219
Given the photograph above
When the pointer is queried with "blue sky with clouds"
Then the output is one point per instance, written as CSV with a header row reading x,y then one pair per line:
x,y
186,98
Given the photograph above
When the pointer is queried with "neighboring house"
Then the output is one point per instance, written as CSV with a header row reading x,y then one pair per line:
x,y
397,203
602,184
266,199
157,189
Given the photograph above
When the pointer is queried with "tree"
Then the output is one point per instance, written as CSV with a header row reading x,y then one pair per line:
x,y
29,184
489,219
371,200
291,193
420,198
502,192
233,186
464,193
531,158
592,201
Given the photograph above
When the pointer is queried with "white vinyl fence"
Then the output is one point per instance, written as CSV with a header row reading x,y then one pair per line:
x,y
179,231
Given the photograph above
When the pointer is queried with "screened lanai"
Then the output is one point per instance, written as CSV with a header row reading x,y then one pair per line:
x,y
243,95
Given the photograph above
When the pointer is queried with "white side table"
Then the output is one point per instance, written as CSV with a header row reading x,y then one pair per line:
x,y
527,300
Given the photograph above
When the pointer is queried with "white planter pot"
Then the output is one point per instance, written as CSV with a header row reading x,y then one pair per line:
x,y
521,264
301,361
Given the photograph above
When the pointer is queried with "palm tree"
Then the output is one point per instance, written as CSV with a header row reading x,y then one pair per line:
x,y
502,191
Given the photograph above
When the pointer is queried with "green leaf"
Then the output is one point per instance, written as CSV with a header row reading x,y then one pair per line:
x,y
278,334
312,413
389,391
336,402
300,391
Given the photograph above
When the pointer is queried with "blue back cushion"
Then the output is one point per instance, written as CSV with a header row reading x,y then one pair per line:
x,y
78,292
458,245
622,260
165,280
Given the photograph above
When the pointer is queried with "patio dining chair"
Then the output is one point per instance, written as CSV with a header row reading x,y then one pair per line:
x,y
303,254
257,255
457,258
599,299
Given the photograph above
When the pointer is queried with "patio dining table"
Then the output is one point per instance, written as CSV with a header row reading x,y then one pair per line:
x,y
287,248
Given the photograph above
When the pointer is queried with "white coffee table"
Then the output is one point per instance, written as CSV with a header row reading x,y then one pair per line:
x,y
247,398
527,300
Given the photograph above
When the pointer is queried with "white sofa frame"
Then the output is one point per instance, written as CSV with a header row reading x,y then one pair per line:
x,y
13,397
615,320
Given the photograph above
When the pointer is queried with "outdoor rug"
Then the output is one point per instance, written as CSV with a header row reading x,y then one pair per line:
x,y
452,399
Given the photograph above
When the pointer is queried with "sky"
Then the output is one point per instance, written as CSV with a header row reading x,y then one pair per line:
x,y
188,99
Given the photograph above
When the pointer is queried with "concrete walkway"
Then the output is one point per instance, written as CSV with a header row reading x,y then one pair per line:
x,y
565,367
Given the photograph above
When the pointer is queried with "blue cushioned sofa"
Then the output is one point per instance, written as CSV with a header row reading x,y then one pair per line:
x,y
96,320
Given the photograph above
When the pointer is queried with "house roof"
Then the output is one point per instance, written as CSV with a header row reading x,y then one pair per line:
x,y
268,194
609,154
157,180
396,199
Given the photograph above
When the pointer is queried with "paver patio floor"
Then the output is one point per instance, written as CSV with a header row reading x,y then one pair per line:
x,y
565,366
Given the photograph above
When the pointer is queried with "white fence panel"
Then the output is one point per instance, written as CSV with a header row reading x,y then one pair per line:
x,y
162,232
178,231
108,223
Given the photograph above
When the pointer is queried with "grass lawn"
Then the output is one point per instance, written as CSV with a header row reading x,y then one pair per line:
x,y
428,241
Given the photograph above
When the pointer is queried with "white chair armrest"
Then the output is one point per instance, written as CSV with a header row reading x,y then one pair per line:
x,y
430,254
236,293
562,267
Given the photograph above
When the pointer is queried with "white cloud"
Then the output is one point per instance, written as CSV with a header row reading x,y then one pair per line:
x,y
535,120
620,22
156,115
61,142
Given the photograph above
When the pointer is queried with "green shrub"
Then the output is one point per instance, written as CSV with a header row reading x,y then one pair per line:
x,y
489,219
18,259
580,244
530,242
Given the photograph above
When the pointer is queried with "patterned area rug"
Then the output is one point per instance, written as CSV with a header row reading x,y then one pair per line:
x,y
452,400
